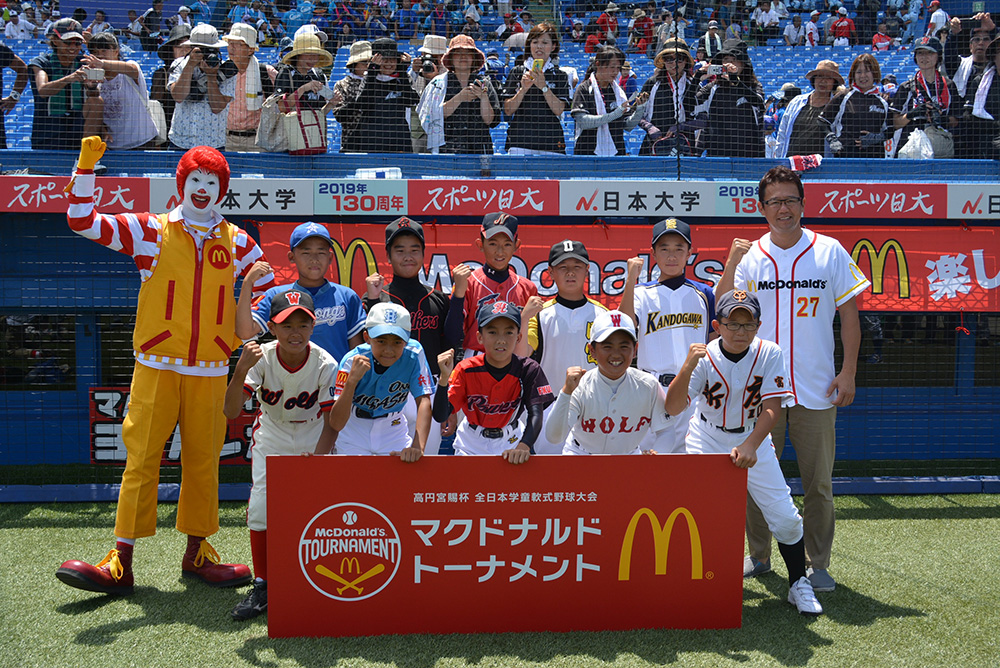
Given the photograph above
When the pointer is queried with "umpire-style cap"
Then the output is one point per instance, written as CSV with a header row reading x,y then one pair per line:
x,y
489,312
608,322
290,301
566,249
308,230
496,223
735,299
385,318
671,226
403,225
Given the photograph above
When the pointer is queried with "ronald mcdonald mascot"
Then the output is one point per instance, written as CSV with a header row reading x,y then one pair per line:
x,y
189,261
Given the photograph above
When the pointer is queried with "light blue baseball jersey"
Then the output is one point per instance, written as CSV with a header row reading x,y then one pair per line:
x,y
384,393
339,315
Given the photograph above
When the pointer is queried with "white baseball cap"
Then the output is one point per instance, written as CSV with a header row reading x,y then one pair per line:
x,y
386,318
608,322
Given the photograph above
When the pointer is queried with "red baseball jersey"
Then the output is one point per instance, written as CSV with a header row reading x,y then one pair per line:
x,y
492,403
484,290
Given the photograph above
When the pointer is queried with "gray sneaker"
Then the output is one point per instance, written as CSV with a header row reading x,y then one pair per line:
x,y
752,568
821,579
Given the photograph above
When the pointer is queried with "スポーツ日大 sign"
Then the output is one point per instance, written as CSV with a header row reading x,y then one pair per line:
x,y
370,545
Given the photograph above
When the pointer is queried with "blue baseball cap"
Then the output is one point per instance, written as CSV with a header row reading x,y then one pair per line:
x,y
489,312
385,318
309,230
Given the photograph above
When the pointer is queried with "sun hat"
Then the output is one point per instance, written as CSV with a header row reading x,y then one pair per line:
x,y
204,35
308,44
827,68
434,45
463,43
360,52
677,47
241,32
178,34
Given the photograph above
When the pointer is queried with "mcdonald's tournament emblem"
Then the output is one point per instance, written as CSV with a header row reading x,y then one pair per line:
x,y
218,256
660,546
349,552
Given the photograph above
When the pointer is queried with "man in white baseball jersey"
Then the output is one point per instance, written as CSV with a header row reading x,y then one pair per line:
x,y
670,314
373,383
801,280
559,329
293,381
607,410
737,385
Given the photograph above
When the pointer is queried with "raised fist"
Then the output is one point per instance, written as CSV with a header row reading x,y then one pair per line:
x,y
460,278
373,285
634,266
359,367
259,270
91,150
249,357
446,363
532,308
573,376
739,248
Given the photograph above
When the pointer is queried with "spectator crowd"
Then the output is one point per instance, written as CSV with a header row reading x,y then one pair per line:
x,y
487,65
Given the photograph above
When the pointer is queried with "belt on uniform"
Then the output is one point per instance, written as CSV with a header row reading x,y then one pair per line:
x,y
666,378
363,414
489,432
242,133
734,430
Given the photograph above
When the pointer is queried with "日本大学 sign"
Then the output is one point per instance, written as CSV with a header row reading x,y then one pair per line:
x,y
371,545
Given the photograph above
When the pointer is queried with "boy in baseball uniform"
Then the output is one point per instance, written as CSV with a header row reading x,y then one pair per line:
x,y
558,329
293,382
607,410
372,385
670,314
339,316
495,280
435,320
737,385
493,390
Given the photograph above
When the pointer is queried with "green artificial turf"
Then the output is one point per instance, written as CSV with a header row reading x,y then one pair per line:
x,y
917,586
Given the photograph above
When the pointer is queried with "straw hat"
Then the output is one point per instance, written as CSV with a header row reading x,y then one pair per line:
x,y
463,43
434,45
360,52
241,32
612,7
638,14
677,47
308,45
827,68
206,36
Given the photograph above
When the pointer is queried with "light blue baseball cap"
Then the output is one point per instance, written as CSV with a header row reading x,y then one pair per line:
x,y
386,318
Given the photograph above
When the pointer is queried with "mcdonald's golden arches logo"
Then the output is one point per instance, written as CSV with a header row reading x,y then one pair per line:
x,y
345,259
661,542
877,259
218,256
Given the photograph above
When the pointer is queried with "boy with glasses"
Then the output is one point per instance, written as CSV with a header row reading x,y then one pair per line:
x,y
801,280
737,384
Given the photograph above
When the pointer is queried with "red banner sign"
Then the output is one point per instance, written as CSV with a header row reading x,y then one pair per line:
x,y
44,194
370,545
911,268
107,414
476,198
880,201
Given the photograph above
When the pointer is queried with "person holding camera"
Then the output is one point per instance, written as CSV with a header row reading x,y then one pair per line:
x,y
422,71
202,92
301,80
671,102
459,107
118,111
535,95
734,102
928,101
383,100
601,110
858,118
347,89
254,84
58,81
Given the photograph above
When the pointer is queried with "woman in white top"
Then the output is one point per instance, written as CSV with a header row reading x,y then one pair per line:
x,y
118,113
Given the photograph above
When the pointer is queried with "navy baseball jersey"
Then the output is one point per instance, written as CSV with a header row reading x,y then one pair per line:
x,y
383,393
339,315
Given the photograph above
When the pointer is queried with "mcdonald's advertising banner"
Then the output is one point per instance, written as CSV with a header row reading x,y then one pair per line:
x,y
371,545
911,268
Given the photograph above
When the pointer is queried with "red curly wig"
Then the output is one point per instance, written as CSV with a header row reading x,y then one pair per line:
x,y
207,159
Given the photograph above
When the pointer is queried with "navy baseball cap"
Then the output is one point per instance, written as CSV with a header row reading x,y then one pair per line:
x,y
386,318
566,249
671,226
735,299
496,223
307,231
289,302
489,312
403,225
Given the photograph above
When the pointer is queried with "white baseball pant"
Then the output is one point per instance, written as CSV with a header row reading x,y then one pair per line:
x,y
470,441
670,440
377,436
275,438
433,445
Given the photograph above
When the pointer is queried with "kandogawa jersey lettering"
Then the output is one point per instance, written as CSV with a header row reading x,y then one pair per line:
x,y
289,394
492,403
799,290
605,416
339,315
383,393
669,321
484,290
728,394
559,335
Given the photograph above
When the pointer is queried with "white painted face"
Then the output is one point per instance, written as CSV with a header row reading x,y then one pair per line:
x,y
201,192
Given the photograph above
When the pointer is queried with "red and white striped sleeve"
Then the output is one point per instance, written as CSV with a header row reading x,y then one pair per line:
x,y
134,234
248,252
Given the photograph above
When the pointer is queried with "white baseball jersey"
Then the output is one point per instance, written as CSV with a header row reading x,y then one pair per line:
x,y
292,395
799,290
669,321
605,416
290,421
558,335
728,396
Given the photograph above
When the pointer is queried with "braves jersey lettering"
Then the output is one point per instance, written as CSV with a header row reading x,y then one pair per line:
x,y
655,321
492,403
